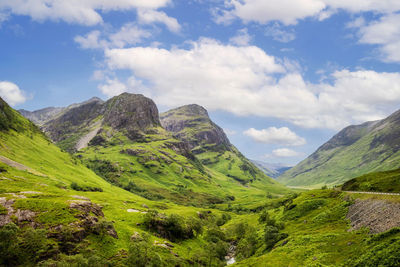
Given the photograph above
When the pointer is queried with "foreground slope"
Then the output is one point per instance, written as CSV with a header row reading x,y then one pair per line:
x,y
123,141
57,212
356,150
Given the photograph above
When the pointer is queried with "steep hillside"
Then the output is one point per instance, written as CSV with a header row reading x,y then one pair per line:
x,y
388,181
209,143
356,150
78,218
270,169
313,229
122,140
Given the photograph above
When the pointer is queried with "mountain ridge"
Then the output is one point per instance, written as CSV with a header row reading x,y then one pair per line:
x,y
354,151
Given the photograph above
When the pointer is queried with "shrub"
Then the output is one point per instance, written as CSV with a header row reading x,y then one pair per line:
x,y
172,227
77,187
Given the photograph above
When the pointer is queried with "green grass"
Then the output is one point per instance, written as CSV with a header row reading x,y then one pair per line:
x,y
317,236
387,181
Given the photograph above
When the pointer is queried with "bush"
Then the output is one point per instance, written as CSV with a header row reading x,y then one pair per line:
x,y
172,227
77,187
142,253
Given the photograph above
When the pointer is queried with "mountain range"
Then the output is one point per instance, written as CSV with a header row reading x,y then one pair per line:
x,y
113,183
180,155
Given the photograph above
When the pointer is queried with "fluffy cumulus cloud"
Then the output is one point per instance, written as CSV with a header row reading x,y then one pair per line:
x,y
113,87
11,93
128,34
241,38
284,153
252,82
384,32
273,135
149,16
289,12
285,11
74,11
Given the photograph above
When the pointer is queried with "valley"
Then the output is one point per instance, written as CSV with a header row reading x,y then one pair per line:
x,y
171,190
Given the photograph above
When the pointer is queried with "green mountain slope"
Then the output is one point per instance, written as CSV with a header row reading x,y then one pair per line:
x,y
356,150
209,143
388,181
56,212
122,141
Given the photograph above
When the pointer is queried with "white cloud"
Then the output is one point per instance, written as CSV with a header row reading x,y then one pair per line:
x,y
273,135
284,153
280,35
128,34
113,87
229,132
289,12
74,11
241,38
254,83
385,33
285,11
11,93
149,16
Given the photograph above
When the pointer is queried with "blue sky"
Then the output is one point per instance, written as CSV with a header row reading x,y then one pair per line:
x,y
281,77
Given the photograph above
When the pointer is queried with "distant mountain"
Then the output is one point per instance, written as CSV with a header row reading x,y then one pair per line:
x,y
41,116
354,151
273,170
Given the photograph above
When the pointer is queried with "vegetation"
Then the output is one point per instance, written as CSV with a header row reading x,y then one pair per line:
x,y
387,181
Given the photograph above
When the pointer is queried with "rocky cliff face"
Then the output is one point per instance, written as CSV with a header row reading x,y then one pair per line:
x,y
130,114
192,124
134,113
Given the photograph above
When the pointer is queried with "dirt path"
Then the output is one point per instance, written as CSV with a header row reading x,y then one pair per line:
x,y
19,166
84,141
372,193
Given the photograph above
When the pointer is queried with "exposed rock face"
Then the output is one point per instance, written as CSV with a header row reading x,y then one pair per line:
x,y
42,115
131,114
377,215
131,111
192,124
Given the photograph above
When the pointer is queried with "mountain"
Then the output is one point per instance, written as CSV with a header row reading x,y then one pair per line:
x,y
54,211
192,124
273,170
41,116
354,151
124,142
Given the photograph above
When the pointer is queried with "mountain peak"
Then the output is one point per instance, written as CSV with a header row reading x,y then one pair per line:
x,y
192,124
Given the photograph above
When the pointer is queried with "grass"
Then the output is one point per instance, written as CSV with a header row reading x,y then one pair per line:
x,y
387,181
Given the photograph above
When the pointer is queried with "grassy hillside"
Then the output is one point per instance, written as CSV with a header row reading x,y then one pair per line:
x,y
354,151
42,186
46,185
312,230
388,181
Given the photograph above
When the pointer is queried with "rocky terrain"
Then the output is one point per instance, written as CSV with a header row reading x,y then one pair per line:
x,y
376,215
193,125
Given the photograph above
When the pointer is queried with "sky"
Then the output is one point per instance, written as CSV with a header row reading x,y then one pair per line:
x,y
281,77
